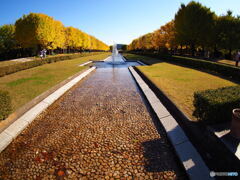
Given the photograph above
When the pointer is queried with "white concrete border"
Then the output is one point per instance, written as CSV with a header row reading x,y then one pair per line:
x,y
190,158
88,62
124,59
21,123
107,59
140,62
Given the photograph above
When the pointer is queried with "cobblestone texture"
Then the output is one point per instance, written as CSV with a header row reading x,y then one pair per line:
x,y
100,129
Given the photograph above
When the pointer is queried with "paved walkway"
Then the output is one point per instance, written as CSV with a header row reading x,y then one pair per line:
x,y
101,129
21,59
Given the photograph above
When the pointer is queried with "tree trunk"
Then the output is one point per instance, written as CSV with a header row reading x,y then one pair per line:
x,y
215,51
193,49
203,51
230,53
181,49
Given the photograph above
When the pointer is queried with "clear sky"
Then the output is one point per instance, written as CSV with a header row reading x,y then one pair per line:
x,y
118,21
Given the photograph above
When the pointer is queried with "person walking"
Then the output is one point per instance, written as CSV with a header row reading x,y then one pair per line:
x,y
237,58
44,53
41,54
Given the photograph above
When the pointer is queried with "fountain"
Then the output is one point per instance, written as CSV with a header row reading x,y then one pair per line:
x,y
114,53
116,58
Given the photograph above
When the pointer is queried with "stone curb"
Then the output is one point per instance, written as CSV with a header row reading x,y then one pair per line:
x,y
19,112
123,58
111,56
22,122
140,62
106,59
188,155
84,64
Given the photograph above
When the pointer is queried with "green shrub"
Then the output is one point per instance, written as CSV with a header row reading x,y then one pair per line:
x,y
215,106
221,69
5,70
5,105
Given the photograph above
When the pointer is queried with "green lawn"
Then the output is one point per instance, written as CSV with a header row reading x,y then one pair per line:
x,y
25,85
178,82
150,60
11,62
145,59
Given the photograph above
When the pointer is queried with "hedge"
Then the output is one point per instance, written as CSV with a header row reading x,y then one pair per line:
x,y
228,71
215,106
5,70
5,105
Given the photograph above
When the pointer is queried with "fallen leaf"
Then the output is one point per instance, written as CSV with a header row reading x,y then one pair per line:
x,y
61,173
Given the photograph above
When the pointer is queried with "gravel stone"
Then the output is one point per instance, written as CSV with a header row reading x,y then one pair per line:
x,y
100,129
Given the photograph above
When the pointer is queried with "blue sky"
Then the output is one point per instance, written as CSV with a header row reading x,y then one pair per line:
x,y
118,21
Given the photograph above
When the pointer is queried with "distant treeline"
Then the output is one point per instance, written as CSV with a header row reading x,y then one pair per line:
x,y
195,31
120,47
35,31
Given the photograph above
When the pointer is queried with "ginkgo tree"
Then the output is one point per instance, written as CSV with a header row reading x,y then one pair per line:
x,y
73,39
36,30
227,32
60,37
39,31
193,24
7,38
162,38
195,27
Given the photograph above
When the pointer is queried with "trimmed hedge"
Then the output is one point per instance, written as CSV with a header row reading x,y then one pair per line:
x,y
221,69
5,70
5,105
215,106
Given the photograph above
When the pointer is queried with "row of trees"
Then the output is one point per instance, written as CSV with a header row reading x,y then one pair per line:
x,y
35,31
195,29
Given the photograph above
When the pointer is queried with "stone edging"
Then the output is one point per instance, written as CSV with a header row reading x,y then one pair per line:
x,y
140,62
123,58
84,64
19,112
22,122
190,158
204,140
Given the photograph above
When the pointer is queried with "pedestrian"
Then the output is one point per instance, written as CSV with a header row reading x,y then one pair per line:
x,y
44,53
41,54
237,58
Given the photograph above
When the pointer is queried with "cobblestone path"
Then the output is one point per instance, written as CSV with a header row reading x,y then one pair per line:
x,y
100,129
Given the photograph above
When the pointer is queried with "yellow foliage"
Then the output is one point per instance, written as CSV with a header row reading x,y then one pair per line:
x,y
164,37
37,30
